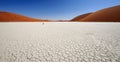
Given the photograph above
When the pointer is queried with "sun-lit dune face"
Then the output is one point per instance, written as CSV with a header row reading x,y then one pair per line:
x,y
111,14
78,18
10,17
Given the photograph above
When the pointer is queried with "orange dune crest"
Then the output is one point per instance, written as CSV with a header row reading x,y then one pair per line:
x,y
11,17
111,14
78,18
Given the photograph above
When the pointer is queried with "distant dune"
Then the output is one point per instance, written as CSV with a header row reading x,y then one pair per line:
x,y
11,17
78,18
111,14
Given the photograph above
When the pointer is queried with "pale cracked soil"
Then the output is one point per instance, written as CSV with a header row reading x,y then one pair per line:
x,y
59,42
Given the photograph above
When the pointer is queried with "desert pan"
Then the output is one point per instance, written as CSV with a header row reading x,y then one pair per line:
x,y
59,42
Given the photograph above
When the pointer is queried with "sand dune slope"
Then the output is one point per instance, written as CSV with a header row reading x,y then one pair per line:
x,y
111,14
11,17
78,18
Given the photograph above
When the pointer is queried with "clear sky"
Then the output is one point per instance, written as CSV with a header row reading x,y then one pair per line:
x,y
55,9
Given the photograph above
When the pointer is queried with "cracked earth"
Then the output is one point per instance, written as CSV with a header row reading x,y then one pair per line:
x,y
60,42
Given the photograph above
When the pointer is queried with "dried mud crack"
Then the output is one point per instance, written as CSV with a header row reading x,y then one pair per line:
x,y
59,42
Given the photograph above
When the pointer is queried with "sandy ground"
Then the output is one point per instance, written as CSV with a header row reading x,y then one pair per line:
x,y
60,42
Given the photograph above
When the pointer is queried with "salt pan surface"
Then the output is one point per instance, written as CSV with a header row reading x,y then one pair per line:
x,y
60,42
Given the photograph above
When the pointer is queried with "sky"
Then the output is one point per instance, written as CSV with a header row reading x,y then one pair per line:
x,y
55,9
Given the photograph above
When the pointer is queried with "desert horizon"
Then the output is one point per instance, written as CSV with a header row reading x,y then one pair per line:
x,y
59,31
110,14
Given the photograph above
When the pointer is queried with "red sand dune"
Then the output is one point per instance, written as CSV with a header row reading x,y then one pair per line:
x,y
10,17
111,14
78,18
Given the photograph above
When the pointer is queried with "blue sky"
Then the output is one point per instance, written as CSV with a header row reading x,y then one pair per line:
x,y
55,9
